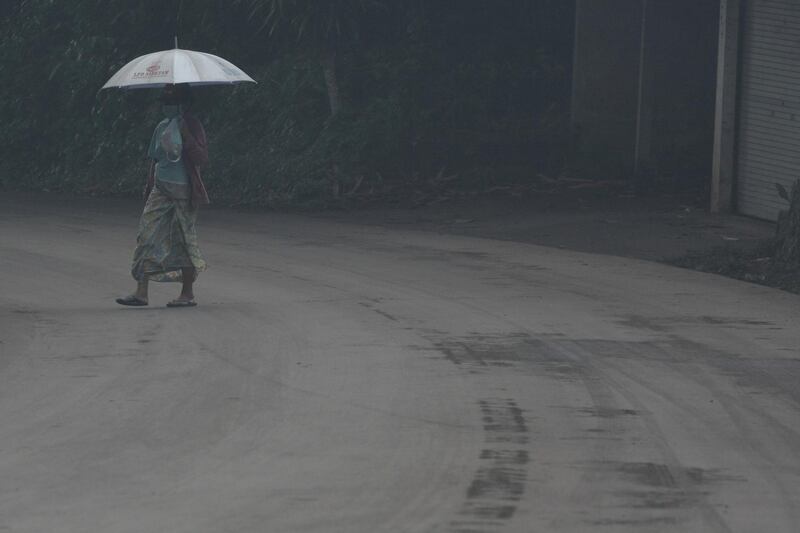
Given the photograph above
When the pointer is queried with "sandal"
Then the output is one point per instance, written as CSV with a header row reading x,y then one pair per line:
x,y
132,301
182,303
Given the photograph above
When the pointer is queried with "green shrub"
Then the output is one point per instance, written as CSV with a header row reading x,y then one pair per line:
x,y
479,92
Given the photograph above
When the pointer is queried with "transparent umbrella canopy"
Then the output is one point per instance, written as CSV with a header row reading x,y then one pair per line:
x,y
177,66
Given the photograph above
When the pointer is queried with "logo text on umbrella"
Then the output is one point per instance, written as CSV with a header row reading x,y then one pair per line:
x,y
153,71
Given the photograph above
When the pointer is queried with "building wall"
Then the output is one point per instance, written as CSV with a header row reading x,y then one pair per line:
x,y
683,37
768,106
644,87
605,81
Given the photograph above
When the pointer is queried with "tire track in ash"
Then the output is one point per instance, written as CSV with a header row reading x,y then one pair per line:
x,y
666,487
500,480
656,493
759,431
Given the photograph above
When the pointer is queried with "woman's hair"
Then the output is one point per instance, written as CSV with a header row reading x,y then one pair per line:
x,y
182,94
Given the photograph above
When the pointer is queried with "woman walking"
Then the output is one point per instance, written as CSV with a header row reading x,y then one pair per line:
x,y
167,248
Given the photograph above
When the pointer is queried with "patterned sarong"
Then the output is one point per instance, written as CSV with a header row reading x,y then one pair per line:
x,y
167,240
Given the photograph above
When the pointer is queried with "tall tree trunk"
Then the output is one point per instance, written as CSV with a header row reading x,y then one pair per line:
x,y
329,71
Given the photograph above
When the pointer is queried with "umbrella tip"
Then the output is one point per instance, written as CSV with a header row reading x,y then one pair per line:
x,y
176,42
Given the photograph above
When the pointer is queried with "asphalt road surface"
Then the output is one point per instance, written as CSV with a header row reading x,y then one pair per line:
x,y
346,378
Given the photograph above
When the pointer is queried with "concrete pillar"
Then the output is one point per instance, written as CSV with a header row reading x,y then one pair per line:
x,y
723,165
645,97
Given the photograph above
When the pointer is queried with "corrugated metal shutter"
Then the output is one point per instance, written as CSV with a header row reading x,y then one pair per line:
x,y
769,113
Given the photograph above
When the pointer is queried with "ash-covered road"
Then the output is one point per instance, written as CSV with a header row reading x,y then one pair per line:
x,y
342,378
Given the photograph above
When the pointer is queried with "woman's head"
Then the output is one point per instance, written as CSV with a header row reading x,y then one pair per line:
x,y
179,94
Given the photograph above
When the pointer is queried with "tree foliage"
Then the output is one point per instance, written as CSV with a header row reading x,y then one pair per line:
x,y
480,90
319,27
314,24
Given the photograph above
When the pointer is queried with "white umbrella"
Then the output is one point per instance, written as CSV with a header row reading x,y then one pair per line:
x,y
177,66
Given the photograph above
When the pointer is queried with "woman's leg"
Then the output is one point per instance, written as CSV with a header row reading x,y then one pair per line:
x,y
186,299
141,289
187,292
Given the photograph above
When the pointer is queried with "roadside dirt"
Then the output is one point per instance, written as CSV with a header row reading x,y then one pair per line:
x,y
672,228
